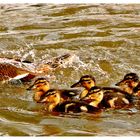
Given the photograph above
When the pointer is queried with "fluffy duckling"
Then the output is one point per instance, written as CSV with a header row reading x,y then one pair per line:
x,y
86,81
94,96
53,98
129,82
42,86
107,97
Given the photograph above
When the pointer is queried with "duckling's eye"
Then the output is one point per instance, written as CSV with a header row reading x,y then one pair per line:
x,y
54,95
89,82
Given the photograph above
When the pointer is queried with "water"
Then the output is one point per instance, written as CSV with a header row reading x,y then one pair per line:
x,y
105,40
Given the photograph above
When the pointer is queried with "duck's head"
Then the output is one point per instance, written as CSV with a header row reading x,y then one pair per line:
x,y
51,96
94,96
86,81
40,84
129,82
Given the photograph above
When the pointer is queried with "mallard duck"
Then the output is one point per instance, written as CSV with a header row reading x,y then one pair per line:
x,y
26,70
86,81
53,98
42,87
129,82
107,97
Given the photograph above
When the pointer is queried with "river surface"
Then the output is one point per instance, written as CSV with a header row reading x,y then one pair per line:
x,y
105,40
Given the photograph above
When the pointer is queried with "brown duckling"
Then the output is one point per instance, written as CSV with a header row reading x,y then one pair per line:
x,y
86,81
107,97
42,86
129,82
56,104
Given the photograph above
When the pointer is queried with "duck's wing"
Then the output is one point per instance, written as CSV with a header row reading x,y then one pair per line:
x,y
70,92
25,64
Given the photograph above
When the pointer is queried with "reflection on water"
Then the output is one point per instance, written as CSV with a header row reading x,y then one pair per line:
x,y
105,40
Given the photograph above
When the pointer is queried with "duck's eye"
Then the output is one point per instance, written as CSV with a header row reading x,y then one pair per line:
x,y
89,82
55,95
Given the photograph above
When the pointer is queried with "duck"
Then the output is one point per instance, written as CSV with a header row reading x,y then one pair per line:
x,y
16,69
42,87
53,98
103,94
107,97
129,82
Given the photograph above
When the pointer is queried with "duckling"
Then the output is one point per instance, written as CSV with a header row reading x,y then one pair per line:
x,y
42,86
94,96
26,70
107,97
129,82
57,104
86,81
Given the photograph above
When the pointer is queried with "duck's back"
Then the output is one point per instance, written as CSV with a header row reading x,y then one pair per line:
x,y
76,107
116,97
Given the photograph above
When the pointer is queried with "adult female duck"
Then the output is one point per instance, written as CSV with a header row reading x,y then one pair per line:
x,y
26,70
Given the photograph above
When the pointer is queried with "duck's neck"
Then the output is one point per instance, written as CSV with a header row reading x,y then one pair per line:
x,y
38,95
86,90
129,87
84,93
97,98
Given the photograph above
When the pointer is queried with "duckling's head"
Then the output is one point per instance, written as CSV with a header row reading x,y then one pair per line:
x,y
94,96
40,84
129,82
51,96
129,77
86,81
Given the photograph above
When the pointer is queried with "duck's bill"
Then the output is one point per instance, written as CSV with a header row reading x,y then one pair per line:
x,y
119,83
43,100
78,84
31,87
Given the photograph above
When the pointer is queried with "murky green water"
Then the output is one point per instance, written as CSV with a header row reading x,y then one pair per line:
x,y
105,39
